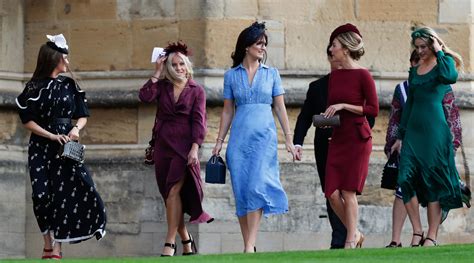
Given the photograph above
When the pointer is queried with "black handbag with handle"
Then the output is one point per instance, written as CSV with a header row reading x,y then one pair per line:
x,y
215,170
72,150
390,172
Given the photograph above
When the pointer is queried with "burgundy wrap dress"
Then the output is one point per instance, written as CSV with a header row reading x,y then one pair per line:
x,y
177,126
351,142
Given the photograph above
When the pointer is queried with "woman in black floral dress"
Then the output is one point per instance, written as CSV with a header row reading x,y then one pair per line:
x,y
65,201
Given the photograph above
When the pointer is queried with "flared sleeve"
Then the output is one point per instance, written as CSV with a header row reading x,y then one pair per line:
x,y
199,117
150,91
447,73
81,110
27,103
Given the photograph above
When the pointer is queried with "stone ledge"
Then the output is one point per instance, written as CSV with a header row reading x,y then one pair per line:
x,y
120,88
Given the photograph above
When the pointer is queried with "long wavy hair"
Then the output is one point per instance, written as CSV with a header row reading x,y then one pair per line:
x,y
248,37
425,34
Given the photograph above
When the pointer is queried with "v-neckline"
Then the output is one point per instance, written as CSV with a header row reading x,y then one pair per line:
x,y
250,84
179,96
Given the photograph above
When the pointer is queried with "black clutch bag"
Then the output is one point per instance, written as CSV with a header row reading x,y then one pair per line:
x,y
390,172
72,150
215,170
321,121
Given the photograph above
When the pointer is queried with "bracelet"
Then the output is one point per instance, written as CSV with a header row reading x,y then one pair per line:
x,y
75,126
288,134
153,77
219,139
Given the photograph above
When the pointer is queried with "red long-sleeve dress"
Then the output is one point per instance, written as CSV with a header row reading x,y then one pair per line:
x,y
351,142
178,125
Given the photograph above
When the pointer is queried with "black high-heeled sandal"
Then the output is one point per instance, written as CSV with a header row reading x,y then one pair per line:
x,y
173,246
422,240
193,246
435,243
394,244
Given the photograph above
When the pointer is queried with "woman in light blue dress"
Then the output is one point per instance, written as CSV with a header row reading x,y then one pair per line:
x,y
250,89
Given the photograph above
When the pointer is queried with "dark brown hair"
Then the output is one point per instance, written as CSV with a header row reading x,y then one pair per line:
x,y
48,60
248,37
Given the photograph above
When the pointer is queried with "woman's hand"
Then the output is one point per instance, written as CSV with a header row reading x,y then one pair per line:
x,y
159,64
331,110
74,133
397,146
193,158
217,148
290,147
299,152
60,138
436,45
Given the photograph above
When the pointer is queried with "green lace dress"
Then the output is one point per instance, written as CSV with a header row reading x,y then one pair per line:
x,y
427,167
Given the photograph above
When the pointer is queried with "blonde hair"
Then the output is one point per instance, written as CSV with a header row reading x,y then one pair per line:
x,y
170,73
424,33
352,42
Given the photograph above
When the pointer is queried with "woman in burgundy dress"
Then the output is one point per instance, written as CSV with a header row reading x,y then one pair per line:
x,y
179,130
352,95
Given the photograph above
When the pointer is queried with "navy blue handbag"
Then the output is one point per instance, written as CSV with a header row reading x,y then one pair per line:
x,y
215,170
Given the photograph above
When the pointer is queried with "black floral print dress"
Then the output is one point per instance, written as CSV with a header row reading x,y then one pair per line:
x,y
65,200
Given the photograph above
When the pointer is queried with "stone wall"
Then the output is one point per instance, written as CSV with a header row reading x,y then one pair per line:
x,y
111,42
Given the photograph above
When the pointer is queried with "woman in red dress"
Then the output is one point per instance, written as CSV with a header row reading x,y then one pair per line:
x,y
179,130
352,95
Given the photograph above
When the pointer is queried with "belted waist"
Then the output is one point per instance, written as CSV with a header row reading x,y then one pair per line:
x,y
61,121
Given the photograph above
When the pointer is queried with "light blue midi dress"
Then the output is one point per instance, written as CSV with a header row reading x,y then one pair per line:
x,y
252,148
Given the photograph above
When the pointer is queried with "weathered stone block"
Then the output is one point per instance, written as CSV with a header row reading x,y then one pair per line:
x,y
9,124
278,10
36,10
100,46
398,10
35,36
146,120
85,10
220,39
241,8
190,9
455,11
335,10
148,34
114,126
145,9
192,32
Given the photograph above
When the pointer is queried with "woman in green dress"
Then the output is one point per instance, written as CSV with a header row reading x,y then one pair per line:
x,y
428,174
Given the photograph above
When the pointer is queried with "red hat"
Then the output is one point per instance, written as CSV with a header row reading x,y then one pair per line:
x,y
344,29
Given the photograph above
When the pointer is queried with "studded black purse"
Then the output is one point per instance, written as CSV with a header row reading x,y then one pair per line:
x,y
72,150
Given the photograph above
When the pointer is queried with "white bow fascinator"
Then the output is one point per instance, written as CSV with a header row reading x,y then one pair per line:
x,y
58,43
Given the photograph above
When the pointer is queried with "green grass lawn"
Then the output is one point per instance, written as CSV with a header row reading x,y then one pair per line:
x,y
441,254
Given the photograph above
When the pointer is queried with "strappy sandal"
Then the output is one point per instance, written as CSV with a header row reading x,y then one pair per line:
x,y
45,250
172,246
422,240
435,243
193,246
394,244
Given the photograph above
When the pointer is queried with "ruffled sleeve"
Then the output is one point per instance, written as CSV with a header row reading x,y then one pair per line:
x,y
81,110
27,103
447,73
